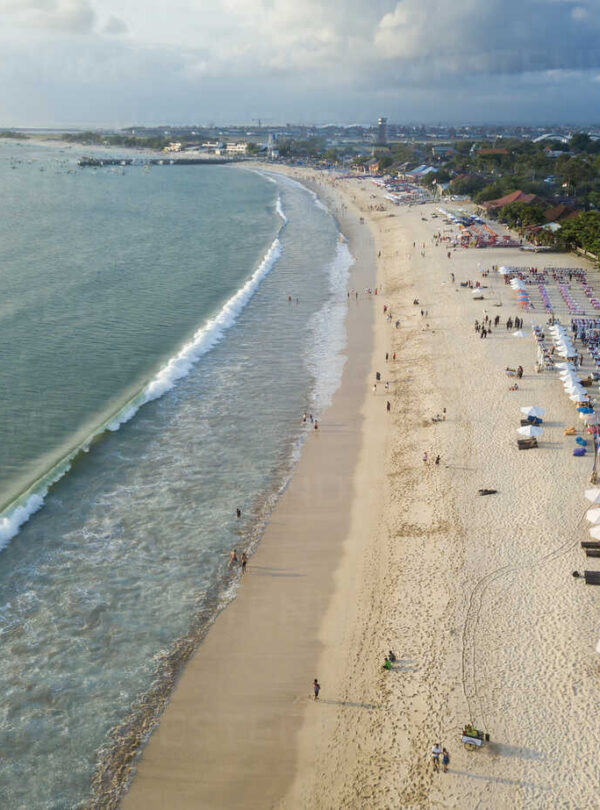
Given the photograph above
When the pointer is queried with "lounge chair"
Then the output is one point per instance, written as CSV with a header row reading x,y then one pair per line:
x,y
527,444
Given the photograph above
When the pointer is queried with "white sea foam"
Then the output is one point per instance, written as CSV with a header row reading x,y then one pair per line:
x,y
211,333
279,209
325,358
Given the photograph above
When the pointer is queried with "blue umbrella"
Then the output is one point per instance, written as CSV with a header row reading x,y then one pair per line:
x,y
585,409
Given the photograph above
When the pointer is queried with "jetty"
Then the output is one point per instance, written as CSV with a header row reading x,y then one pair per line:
x,y
93,162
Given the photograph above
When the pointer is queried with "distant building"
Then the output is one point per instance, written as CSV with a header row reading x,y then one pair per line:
x,y
237,148
382,131
173,147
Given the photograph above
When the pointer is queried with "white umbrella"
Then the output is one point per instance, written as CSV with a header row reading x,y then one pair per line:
x,y
520,333
595,532
504,271
593,495
532,410
578,397
565,366
593,515
530,430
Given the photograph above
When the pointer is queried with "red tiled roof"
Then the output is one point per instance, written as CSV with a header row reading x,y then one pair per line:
x,y
515,196
557,212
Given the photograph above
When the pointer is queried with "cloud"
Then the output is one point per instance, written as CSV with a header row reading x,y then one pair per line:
x,y
72,16
114,26
205,59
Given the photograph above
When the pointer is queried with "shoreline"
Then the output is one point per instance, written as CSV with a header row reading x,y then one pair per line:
x,y
258,650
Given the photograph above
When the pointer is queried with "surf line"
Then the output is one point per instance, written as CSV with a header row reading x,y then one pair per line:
x,y
31,500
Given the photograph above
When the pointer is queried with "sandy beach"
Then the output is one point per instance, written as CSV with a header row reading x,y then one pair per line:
x,y
371,549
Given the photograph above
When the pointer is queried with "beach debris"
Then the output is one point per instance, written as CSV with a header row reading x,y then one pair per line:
x,y
488,491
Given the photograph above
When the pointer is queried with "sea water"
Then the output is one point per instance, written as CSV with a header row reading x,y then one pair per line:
x,y
162,332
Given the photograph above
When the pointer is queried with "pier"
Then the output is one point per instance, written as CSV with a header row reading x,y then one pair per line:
x,y
93,162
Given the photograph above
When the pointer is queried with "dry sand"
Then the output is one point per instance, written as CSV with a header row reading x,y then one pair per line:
x,y
371,549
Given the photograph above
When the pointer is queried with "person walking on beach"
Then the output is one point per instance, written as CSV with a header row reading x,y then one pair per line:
x,y
445,760
388,406
316,688
238,513
436,751
233,558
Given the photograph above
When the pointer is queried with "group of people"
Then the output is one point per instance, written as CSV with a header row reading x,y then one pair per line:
x,y
438,753
241,561
389,660
517,323
436,461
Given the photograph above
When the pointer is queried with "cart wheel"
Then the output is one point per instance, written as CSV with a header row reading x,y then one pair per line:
x,y
470,746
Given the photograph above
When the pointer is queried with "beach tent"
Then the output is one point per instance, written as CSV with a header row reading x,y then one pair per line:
x,y
533,410
530,430
520,334
593,495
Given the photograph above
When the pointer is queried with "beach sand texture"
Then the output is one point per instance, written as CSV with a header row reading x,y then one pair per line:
x,y
474,594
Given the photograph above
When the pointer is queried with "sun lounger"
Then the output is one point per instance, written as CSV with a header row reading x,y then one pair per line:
x,y
592,577
531,421
592,552
527,444
570,431
590,544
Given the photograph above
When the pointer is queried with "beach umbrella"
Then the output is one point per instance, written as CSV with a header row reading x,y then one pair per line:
x,y
593,515
593,495
532,410
565,366
504,271
530,430
583,409
520,334
595,532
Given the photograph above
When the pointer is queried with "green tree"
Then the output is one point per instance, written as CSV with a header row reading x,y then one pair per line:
x,y
519,214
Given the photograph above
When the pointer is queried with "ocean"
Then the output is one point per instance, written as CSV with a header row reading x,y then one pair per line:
x,y
162,333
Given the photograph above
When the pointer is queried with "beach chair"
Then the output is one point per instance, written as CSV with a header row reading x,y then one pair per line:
x,y
590,544
592,577
527,444
592,552
579,451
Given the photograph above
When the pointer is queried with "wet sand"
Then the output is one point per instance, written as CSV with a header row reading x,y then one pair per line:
x,y
228,736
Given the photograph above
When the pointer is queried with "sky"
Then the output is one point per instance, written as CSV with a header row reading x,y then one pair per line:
x,y
116,63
